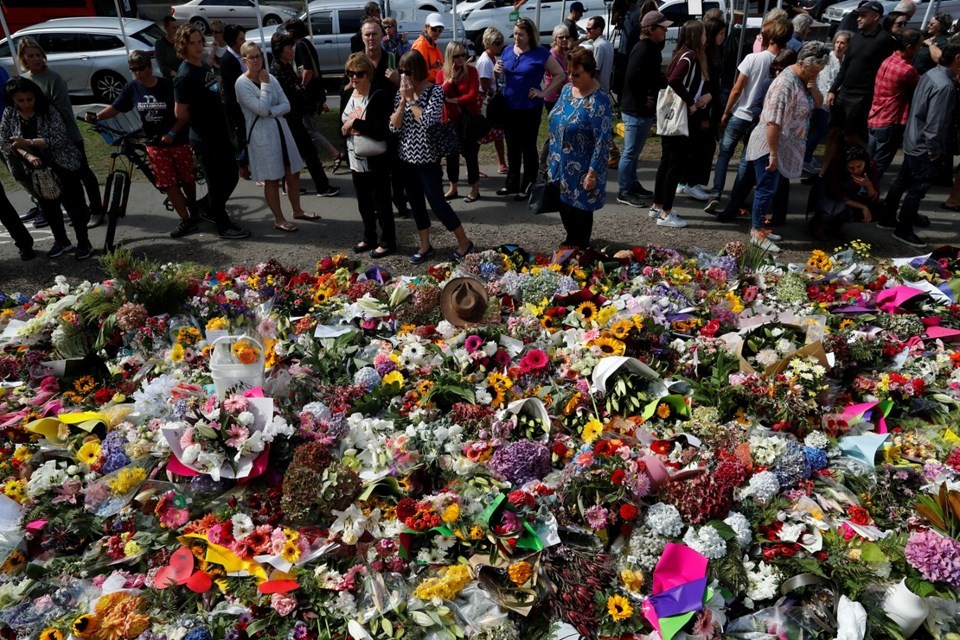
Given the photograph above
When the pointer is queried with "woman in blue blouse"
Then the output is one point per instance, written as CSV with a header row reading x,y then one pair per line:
x,y
417,108
523,66
580,126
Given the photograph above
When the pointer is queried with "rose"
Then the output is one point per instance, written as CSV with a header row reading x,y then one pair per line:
x,y
628,512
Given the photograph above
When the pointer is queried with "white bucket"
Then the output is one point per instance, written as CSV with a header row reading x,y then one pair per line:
x,y
230,376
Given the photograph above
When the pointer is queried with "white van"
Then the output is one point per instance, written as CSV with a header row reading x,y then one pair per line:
x,y
480,14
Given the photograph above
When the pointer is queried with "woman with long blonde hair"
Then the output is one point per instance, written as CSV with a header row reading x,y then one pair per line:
x,y
462,102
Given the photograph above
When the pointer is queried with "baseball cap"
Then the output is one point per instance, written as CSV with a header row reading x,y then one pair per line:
x,y
652,18
434,20
577,6
870,5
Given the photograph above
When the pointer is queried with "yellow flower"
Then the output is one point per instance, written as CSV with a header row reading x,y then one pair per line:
x,y
22,454
14,562
621,328
394,377
217,324
592,430
84,385
619,608
476,532
452,580
736,304
127,479
664,410
451,514
587,310
632,580
188,335
609,346
89,453
520,572
245,352
270,349
16,490
571,404
176,354
85,626
131,548
51,633
291,552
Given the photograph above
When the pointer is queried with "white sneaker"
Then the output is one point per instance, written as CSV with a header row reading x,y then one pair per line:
x,y
776,237
671,220
763,241
680,188
655,212
696,192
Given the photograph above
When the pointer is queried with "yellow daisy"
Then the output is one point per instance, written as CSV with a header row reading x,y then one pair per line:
x,y
591,430
619,608
89,453
621,328
610,346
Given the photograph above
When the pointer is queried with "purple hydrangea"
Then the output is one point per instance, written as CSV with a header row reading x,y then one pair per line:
x,y
816,458
113,451
936,557
521,462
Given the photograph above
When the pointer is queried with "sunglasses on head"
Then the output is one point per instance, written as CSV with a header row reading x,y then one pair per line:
x,y
356,74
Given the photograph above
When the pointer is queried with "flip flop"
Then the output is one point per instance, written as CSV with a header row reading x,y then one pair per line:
x,y
470,199
286,226
308,215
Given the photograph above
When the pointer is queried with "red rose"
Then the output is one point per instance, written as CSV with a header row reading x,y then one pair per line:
x,y
628,512
618,476
559,449
102,396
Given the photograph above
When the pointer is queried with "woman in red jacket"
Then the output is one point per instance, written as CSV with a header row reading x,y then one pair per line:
x,y
462,102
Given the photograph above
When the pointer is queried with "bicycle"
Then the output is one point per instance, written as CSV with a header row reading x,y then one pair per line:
x,y
126,136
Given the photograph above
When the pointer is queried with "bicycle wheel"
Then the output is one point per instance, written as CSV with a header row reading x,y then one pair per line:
x,y
115,195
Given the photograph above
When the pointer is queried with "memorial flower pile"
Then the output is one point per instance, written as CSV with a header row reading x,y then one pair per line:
x,y
654,444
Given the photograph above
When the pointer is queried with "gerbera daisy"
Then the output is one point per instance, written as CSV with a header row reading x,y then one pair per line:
x,y
89,453
664,410
591,430
619,608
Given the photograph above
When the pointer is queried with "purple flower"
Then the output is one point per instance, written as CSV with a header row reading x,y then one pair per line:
x,y
596,517
521,462
936,557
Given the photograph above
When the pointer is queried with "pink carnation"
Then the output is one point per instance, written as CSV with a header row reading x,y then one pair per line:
x,y
283,603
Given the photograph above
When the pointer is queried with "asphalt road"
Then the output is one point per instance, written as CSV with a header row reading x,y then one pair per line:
x,y
489,222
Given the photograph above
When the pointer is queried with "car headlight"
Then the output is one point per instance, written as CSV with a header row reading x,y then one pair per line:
x,y
466,14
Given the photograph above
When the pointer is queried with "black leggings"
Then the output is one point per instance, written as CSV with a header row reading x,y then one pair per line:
x,y
308,151
520,131
90,183
675,154
470,150
578,225
14,225
220,168
72,199
373,201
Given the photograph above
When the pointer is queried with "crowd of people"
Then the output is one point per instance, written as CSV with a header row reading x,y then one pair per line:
x,y
408,107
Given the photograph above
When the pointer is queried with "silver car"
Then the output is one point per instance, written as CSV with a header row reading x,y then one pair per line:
x,y
88,52
836,13
200,13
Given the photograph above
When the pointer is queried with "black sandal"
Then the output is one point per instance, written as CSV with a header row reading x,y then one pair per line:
x,y
362,247
381,252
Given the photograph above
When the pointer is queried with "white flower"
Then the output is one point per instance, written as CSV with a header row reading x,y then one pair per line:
x,y
349,524
791,531
242,525
445,543
246,418
707,541
766,449
763,583
741,526
190,454
252,445
816,440
762,486
664,519
277,427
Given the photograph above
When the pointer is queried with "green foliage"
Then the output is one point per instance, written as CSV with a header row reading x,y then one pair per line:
x,y
714,390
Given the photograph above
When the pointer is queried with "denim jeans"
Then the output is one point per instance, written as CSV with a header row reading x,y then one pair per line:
x,y
914,180
883,145
765,189
819,127
737,129
635,132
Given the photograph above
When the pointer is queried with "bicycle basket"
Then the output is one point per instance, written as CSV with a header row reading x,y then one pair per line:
x,y
123,124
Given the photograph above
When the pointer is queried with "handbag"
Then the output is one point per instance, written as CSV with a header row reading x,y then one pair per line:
x,y
474,127
496,111
544,196
443,135
671,114
243,158
46,185
365,146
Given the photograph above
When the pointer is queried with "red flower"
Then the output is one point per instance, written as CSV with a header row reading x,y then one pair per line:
x,y
628,512
710,329
102,396
520,498
406,508
618,476
559,449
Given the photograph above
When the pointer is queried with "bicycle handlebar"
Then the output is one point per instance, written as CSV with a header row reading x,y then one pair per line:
x,y
117,133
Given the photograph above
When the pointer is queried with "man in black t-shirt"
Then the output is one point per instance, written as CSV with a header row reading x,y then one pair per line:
x,y
170,155
197,102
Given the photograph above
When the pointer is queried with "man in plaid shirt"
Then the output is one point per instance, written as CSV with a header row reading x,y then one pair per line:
x,y
896,80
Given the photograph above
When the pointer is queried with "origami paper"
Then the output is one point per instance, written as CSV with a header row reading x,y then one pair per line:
x,y
49,427
231,562
854,308
890,300
680,577
878,417
942,333
678,565
863,447
950,436
681,599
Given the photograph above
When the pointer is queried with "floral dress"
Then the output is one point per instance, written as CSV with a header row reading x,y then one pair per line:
x,y
580,130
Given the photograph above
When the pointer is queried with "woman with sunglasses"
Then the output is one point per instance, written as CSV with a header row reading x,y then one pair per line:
x,y
35,138
366,112
523,66
580,131
462,102
219,46
270,145
417,108
169,151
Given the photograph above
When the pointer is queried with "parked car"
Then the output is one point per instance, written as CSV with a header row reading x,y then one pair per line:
x,y
88,52
480,14
200,13
334,23
836,13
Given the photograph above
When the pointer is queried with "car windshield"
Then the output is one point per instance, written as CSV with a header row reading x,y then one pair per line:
x,y
150,35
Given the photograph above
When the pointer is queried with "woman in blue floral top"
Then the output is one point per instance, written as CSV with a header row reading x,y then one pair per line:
x,y
580,126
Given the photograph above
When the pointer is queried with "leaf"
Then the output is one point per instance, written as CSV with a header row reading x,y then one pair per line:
x,y
872,553
921,587
387,626
726,531
930,515
257,626
422,619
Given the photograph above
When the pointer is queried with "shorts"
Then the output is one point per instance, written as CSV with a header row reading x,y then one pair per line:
x,y
172,165
850,114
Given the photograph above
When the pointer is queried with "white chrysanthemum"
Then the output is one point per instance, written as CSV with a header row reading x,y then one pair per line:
x,y
242,525
707,542
741,526
817,440
763,580
664,520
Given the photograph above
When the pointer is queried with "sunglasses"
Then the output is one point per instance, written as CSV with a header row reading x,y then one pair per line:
x,y
459,56
437,29
259,56
406,72
137,69
356,74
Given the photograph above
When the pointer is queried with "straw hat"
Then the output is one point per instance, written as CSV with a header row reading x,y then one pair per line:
x,y
463,301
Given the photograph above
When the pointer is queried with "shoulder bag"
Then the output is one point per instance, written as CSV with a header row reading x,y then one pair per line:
x,y
671,114
46,185
544,196
443,135
365,146
243,158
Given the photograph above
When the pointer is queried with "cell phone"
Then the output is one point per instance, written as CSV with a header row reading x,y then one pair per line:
x,y
91,115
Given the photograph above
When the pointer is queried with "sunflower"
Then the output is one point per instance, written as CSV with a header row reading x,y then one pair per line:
x,y
619,608
50,633
587,310
572,403
520,572
621,328
497,386
89,453
84,384
14,562
609,346
85,626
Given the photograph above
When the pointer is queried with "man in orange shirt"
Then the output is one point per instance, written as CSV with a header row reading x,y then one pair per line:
x,y
426,44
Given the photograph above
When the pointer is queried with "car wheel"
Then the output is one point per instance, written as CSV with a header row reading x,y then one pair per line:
x,y
271,20
201,25
107,86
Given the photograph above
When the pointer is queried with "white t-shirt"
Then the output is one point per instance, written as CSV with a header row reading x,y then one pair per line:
x,y
485,66
355,105
756,67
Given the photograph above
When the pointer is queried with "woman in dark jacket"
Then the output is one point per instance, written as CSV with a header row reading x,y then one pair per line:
x,y
703,142
34,137
366,112
688,76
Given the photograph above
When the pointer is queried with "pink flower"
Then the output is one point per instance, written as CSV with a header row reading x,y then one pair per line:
x,y
236,404
472,343
283,603
596,517
534,361
186,440
237,436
